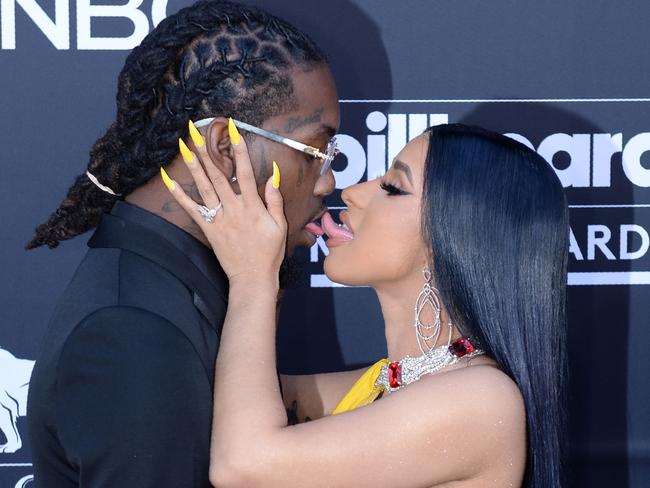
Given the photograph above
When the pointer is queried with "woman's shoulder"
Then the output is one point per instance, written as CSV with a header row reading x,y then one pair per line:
x,y
484,391
467,384
486,380
479,408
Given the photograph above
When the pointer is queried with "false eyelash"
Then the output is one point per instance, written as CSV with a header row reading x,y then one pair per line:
x,y
391,189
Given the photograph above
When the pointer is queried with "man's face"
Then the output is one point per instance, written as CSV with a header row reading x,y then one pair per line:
x,y
314,122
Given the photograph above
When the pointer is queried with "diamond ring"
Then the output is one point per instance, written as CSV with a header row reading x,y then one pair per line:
x,y
209,214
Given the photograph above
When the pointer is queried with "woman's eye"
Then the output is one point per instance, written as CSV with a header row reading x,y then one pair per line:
x,y
392,189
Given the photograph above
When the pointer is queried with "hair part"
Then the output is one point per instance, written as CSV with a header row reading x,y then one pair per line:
x,y
496,217
212,58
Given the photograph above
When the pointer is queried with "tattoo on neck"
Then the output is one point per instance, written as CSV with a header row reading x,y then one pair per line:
x,y
170,206
295,123
191,190
183,220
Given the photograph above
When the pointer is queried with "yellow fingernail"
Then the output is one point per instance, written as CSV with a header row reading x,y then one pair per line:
x,y
188,157
196,136
276,175
235,137
166,179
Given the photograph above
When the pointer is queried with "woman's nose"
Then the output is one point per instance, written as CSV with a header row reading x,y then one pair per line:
x,y
356,195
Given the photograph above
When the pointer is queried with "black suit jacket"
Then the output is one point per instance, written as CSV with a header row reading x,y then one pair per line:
x,y
121,395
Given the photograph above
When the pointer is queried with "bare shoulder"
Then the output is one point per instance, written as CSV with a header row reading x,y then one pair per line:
x,y
483,379
479,411
494,388
460,427
488,396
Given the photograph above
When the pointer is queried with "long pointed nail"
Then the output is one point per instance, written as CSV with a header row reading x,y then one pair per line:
x,y
166,179
276,175
235,137
196,136
188,157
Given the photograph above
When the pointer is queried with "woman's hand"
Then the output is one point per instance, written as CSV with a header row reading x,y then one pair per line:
x,y
248,237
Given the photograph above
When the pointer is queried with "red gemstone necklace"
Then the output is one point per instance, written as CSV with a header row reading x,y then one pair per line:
x,y
396,374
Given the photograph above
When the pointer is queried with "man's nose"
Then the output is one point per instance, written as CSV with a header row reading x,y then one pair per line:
x,y
325,184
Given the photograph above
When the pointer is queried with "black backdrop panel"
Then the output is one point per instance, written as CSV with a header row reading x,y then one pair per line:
x,y
569,79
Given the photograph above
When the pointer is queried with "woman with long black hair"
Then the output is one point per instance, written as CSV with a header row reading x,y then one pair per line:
x,y
469,229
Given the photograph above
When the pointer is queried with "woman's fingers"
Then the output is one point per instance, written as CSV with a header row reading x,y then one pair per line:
x,y
214,187
215,175
203,183
274,200
234,231
243,166
183,199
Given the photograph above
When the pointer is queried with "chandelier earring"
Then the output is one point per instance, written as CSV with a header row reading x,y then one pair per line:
x,y
397,374
427,334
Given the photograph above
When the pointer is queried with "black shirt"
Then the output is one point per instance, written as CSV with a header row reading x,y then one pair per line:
x,y
121,394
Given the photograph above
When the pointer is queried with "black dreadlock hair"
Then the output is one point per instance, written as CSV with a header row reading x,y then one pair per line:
x,y
212,58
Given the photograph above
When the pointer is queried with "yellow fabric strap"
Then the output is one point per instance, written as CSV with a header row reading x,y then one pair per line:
x,y
363,392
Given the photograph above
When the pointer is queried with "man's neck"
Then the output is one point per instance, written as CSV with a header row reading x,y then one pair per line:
x,y
155,198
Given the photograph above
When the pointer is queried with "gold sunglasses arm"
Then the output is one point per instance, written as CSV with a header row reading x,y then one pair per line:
x,y
312,151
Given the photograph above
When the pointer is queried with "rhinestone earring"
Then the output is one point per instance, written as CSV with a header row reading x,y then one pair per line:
x,y
427,334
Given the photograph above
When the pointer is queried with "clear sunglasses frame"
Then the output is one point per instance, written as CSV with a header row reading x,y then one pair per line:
x,y
326,157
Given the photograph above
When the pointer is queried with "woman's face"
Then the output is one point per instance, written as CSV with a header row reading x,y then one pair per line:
x,y
383,216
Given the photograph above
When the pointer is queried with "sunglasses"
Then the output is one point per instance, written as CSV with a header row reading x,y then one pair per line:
x,y
326,157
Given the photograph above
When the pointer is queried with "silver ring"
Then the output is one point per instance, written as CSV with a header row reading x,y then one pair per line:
x,y
209,214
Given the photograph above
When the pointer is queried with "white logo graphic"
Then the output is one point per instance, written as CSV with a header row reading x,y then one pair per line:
x,y
14,384
591,165
25,481
57,29
590,155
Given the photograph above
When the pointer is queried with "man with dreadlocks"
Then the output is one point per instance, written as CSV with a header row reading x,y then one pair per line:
x,y
121,394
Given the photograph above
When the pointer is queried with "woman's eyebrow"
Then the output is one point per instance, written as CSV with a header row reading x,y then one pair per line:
x,y
402,166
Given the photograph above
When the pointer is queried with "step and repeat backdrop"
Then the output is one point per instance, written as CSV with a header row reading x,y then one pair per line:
x,y
569,79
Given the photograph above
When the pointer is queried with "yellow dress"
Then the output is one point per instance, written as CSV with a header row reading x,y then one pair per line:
x,y
364,391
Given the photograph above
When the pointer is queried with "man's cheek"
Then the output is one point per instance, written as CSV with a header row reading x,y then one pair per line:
x,y
292,222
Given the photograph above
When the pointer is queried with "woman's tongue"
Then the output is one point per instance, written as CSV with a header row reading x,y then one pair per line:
x,y
334,231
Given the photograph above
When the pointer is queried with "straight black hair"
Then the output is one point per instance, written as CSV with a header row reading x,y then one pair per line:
x,y
496,217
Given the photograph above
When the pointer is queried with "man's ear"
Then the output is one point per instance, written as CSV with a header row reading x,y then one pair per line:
x,y
219,147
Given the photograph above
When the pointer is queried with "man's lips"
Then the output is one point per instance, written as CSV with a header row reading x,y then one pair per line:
x,y
313,227
336,233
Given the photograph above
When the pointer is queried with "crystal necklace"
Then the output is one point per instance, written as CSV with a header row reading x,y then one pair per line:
x,y
396,374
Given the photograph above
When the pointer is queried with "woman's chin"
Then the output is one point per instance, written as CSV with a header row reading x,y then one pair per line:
x,y
337,271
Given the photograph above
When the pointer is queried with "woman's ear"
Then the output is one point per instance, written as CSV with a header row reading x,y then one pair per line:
x,y
219,147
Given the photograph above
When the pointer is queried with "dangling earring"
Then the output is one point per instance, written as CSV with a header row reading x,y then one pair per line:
x,y
427,334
